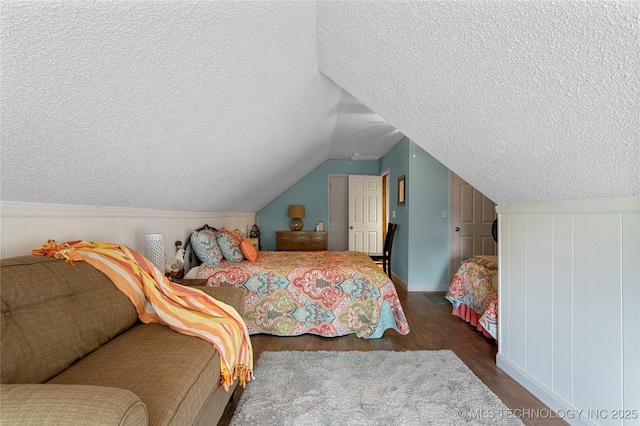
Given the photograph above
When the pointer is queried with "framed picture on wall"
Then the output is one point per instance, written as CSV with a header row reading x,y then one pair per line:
x,y
401,190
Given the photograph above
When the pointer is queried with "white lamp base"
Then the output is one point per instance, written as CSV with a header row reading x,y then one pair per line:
x,y
154,250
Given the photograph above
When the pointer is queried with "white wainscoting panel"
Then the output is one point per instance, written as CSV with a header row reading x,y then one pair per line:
x,y
631,309
27,226
517,302
539,293
562,353
569,297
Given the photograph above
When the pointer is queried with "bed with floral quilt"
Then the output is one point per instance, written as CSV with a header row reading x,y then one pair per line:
x,y
288,293
474,293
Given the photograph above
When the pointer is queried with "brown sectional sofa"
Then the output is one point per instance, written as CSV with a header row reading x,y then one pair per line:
x,y
74,352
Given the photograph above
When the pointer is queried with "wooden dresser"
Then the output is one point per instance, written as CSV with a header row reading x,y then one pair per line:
x,y
301,241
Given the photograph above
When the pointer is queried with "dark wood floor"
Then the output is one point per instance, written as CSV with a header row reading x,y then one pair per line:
x,y
432,327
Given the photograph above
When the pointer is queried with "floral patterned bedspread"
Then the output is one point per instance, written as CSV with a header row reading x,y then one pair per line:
x,y
326,293
475,285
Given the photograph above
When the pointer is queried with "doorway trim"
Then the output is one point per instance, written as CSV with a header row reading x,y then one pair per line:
x,y
385,201
331,226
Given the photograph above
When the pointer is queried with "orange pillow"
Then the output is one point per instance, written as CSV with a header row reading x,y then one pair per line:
x,y
249,251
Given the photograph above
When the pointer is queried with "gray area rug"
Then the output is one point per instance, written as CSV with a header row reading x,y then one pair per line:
x,y
367,388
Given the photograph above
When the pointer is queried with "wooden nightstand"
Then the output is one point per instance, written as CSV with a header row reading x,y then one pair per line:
x,y
301,241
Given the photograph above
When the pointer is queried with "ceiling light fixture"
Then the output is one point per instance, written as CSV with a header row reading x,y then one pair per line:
x,y
357,156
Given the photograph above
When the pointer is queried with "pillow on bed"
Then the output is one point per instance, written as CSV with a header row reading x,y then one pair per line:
x,y
229,247
248,250
236,235
205,246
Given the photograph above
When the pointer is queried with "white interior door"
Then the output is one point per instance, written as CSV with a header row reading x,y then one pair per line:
x,y
338,213
472,215
365,213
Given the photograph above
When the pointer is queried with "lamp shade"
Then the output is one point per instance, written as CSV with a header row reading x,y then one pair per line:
x,y
296,211
154,250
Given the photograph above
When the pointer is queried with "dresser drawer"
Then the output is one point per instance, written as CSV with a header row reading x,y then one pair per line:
x,y
285,237
301,241
286,245
313,246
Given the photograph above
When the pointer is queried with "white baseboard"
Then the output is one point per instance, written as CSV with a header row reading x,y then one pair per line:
x,y
571,415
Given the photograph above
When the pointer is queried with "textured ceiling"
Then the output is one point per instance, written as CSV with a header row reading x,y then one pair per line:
x,y
187,105
361,131
221,106
529,101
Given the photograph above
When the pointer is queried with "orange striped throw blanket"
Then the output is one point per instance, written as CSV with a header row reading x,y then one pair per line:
x,y
184,309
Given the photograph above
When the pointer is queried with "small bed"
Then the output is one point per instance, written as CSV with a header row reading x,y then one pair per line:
x,y
288,293
474,293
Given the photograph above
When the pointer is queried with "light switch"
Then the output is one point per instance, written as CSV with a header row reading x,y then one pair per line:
x,y
393,213
445,214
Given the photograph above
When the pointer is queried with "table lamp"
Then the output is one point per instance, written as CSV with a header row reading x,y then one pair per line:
x,y
296,212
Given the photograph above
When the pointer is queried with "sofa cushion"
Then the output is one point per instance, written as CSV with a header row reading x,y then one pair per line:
x,y
172,373
53,313
38,404
232,296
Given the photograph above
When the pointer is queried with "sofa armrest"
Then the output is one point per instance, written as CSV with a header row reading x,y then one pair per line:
x,y
43,404
230,295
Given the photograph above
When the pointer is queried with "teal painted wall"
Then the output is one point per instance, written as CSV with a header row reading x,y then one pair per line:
x,y
421,247
429,240
312,192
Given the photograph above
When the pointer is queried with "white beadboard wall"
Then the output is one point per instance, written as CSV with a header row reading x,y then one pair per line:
x,y
569,320
26,226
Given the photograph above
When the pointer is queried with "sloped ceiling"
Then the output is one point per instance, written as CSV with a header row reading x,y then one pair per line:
x,y
179,105
360,133
221,106
527,100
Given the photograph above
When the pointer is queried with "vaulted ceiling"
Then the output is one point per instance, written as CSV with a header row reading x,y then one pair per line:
x,y
530,101
222,106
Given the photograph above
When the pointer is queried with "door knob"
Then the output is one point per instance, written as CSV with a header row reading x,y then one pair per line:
x,y
457,229
351,227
